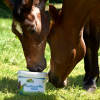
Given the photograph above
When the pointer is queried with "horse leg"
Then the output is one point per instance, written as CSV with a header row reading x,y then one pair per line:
x,y
90,85
87,58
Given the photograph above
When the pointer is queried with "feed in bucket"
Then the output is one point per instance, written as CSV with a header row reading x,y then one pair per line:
x,y
30,82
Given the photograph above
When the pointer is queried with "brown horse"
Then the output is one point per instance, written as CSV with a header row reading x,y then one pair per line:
x,y
31,25
66,38
91,37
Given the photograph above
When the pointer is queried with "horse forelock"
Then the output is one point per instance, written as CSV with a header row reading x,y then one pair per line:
x,y
17,11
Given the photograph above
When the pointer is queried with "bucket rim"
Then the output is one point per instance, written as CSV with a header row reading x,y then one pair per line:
x,y
26,73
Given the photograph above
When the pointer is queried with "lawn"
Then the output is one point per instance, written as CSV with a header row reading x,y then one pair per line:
x,y
12,59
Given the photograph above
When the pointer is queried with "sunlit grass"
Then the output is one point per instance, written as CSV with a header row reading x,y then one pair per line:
x,y
12,59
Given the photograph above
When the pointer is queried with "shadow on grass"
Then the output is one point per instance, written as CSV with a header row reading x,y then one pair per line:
x,y
77,81
8,85
73,82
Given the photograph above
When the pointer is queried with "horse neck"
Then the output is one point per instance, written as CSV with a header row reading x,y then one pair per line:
x,y
75,12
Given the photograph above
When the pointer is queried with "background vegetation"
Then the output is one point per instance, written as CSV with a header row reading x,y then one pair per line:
x,y
1,2
51,1
55,1
12,59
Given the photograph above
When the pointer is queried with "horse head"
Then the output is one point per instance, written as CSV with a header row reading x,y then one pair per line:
x,y
67,48
31,25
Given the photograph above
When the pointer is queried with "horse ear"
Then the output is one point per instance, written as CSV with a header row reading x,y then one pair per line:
x,y
9,3
53,13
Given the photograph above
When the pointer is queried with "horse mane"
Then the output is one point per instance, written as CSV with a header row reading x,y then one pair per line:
x,y
17,11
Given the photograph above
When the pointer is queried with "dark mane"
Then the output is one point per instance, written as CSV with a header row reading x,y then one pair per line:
x,y
17,11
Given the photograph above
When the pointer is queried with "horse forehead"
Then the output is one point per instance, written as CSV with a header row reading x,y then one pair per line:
x,y
35,10
39,8
36,1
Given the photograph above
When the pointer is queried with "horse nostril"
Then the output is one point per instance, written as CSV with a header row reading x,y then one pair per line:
x,y
37,69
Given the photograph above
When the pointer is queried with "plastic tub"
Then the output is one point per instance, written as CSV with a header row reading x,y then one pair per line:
x,y
30,82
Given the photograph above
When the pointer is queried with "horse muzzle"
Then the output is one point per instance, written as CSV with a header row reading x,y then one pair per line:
x,y
39,67
56,82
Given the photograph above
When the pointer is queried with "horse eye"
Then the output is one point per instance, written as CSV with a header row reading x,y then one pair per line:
x,y
32,32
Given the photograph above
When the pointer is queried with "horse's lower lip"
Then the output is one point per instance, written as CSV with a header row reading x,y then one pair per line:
x,y
61,84
58,84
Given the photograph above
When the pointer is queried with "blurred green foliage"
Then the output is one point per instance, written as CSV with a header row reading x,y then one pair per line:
x,y
1,2
55,1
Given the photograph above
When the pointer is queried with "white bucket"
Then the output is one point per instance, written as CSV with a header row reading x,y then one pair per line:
x,y
30,82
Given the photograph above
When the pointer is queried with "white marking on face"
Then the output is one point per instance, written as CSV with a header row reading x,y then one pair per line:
x,y
18,27
36,13
39,44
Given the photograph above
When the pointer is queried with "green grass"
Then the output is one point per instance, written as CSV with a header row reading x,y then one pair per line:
x,y
12,59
